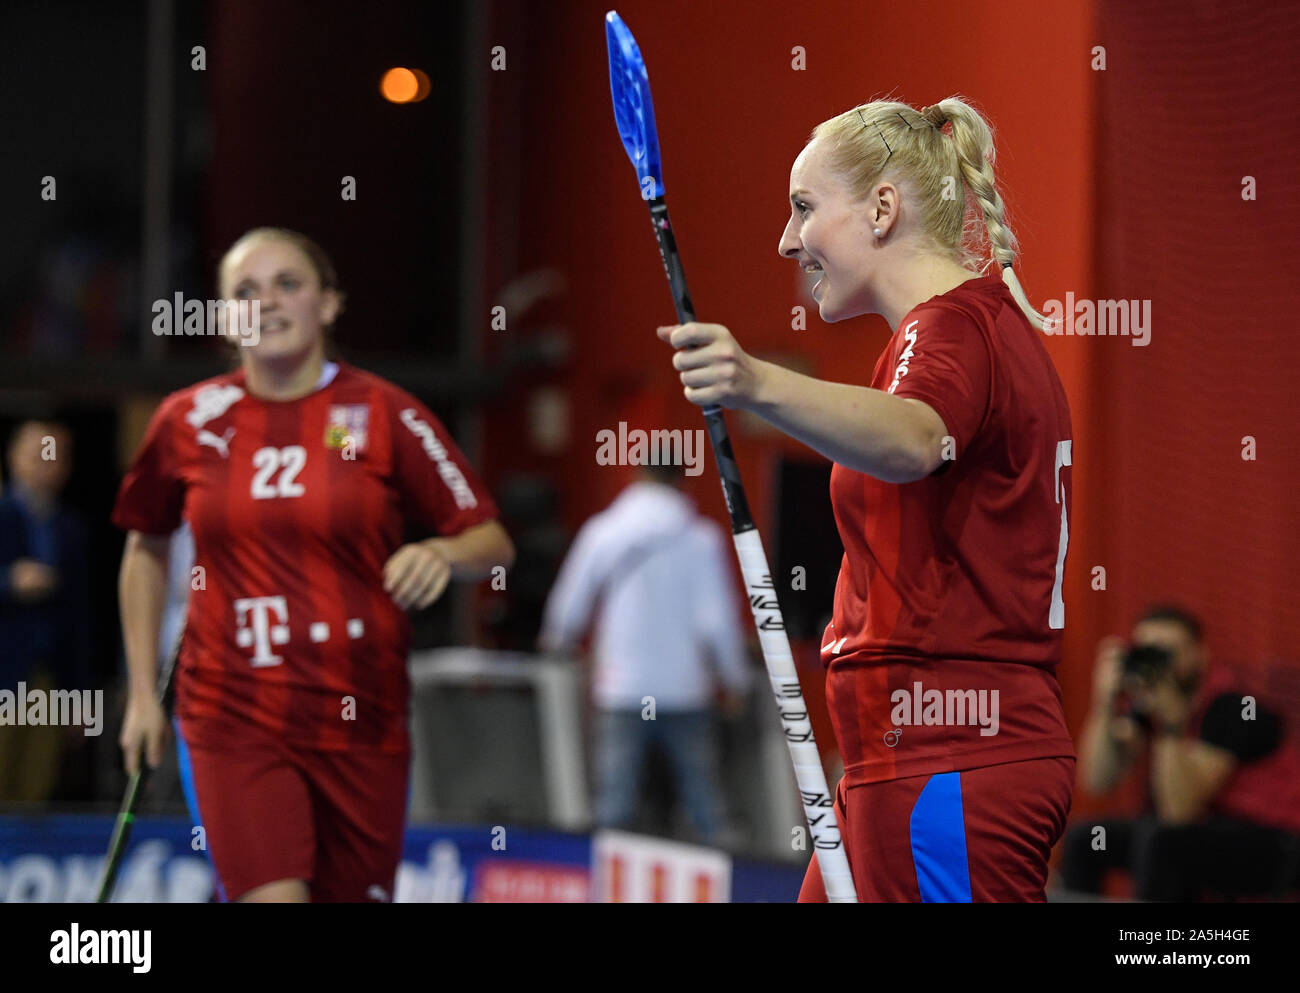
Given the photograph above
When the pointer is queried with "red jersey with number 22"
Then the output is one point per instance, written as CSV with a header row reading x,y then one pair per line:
x,y
295,507
948,616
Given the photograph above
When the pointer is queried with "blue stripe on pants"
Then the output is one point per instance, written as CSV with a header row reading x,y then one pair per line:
x,y
186,771
938,832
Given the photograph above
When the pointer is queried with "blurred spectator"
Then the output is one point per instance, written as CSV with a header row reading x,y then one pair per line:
x,y
652,574
1222,811
45,637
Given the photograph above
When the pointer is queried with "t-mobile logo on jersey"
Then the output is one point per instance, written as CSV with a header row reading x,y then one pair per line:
x,y
262,634
922,707
257,629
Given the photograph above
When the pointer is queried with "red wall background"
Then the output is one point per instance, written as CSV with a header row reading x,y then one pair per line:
x,y
1145,203
1189,107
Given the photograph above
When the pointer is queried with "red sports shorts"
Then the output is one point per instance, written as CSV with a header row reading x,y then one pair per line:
x,y
978,836
335,820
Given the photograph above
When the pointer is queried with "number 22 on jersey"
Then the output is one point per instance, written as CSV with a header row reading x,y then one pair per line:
x,y
287,462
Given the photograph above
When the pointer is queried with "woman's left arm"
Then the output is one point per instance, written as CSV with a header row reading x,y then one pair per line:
x,y
895,439
476,551
417,574
892,438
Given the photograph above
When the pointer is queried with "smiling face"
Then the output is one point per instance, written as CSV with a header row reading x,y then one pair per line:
x,y
829,231
294,308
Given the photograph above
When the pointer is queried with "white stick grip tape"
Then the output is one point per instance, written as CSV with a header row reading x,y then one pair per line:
x,y
818,801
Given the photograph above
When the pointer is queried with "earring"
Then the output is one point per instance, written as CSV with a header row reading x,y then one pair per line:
x,y
876,232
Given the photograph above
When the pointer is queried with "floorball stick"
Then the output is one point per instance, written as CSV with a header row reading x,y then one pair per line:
x,y
635,115
134,790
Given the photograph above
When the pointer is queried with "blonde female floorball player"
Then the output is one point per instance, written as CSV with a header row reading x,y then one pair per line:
x,y
950,489
298,476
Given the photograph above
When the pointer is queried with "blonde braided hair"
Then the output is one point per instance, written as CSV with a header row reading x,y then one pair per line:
x,y
869,137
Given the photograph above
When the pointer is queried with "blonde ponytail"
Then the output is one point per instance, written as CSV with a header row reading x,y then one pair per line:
x,y
885,135
973,139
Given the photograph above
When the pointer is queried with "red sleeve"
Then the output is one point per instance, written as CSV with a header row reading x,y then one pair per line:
x,y
949,368
152,492
438,488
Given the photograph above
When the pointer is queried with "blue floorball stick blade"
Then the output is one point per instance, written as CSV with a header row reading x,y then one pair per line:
x,y
633,109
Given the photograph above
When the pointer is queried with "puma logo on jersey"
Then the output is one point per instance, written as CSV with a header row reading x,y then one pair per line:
x,y
221,444
211,402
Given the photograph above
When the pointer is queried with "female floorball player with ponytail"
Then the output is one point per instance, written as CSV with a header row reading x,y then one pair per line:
x,y
297,476
950,490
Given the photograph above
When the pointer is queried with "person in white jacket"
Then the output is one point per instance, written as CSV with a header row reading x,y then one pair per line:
x,y
654,576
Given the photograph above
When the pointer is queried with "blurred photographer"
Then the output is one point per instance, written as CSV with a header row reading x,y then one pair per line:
x,y
1223,806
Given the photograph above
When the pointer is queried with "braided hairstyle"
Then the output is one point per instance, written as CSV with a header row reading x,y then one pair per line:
x,y
944,153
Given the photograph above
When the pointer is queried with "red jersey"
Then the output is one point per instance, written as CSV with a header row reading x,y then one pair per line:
x,y
295,507
948,615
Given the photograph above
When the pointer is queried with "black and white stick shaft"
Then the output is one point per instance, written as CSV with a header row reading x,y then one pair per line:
x,y
818,801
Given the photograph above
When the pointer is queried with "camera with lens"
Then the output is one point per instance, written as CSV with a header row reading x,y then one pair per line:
x,y
1147,663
